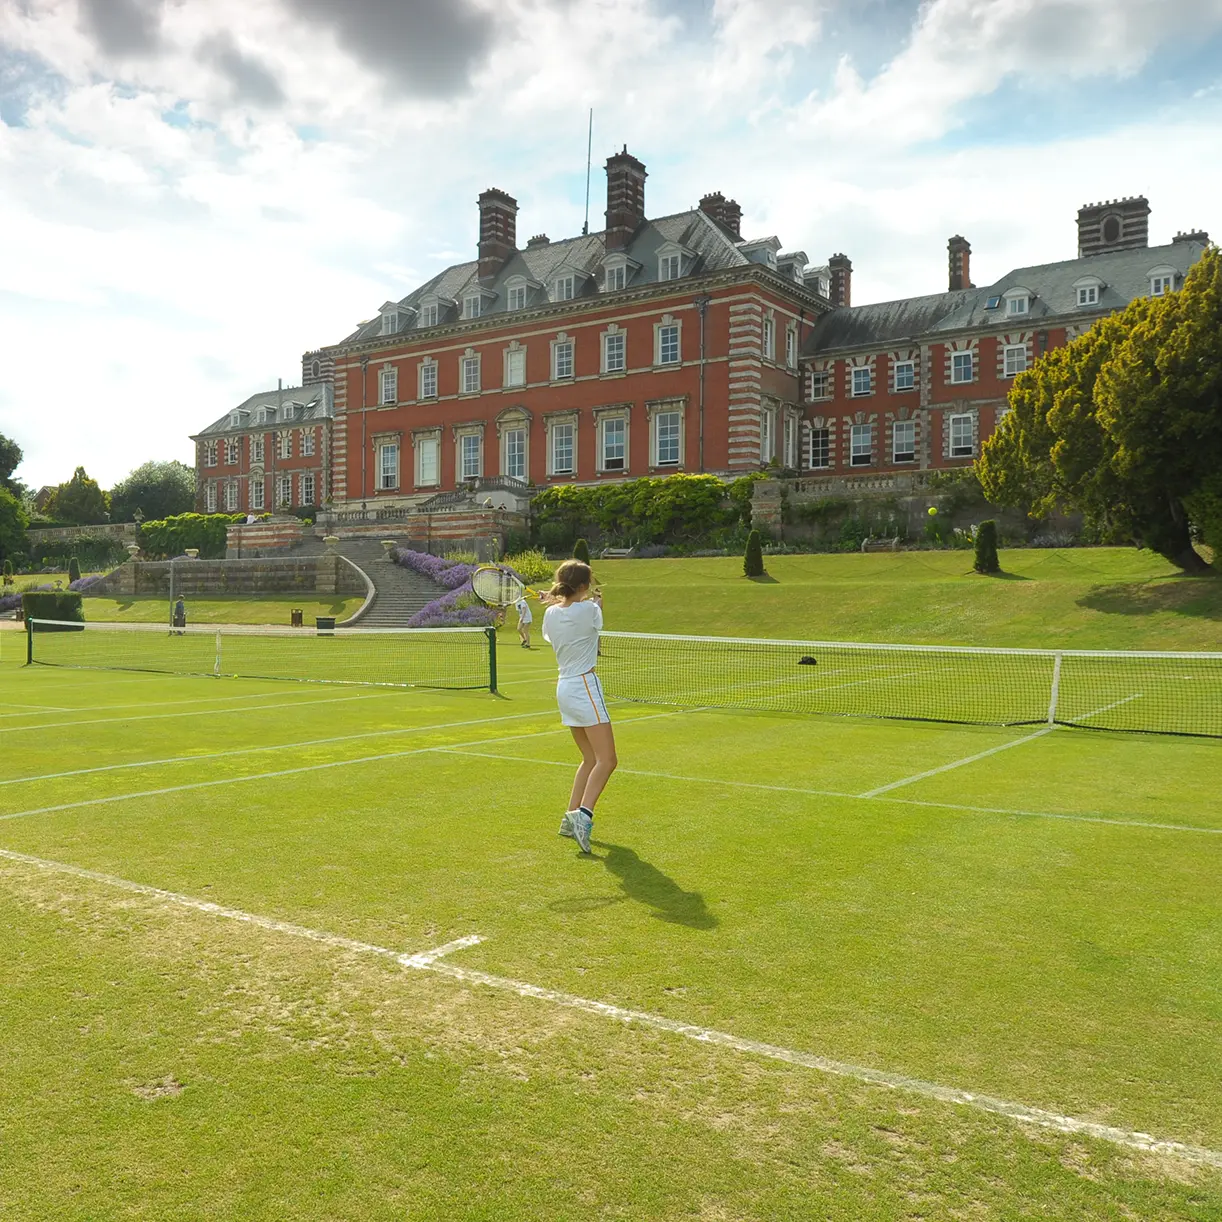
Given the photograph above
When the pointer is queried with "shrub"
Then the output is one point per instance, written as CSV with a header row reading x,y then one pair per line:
x,y
986,548
532,566
92,552
74,569
62,605
444,572
461,557
581,551
753,557
8,568
205,531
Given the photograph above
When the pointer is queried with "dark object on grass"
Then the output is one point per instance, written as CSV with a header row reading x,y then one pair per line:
x,y
61,606
807,661
581,551
753,558
986,548
74,569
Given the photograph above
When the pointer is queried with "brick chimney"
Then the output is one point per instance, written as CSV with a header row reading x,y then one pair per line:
x,y
1195,235
725,212
841,269
625,199
1114,224
960,251
498,231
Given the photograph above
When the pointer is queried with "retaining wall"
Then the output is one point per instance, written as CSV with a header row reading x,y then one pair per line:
x,y
285,575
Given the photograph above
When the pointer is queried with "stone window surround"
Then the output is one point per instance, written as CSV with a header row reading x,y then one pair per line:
x,y
658,407
431,433
612,411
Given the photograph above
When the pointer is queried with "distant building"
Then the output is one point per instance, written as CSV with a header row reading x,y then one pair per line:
x,y
920,383
271,452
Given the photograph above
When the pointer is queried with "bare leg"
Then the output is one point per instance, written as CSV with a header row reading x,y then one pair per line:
x,y
601,744
588,759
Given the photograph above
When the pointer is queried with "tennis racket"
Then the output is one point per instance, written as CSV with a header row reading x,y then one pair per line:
x,y
495,586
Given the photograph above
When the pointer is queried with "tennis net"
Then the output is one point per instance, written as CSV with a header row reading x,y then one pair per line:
x,y
415,657
1165,693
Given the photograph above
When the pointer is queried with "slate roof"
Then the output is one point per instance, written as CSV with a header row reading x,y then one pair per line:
x,y
307,403
1125,275
710,247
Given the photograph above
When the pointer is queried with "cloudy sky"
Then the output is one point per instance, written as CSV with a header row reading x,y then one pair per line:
x,y
193,192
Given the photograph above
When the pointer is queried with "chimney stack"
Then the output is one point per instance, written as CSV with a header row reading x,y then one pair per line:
x,y
960,250
725,212
1195,235
498,231
841,269
625,199
1114,224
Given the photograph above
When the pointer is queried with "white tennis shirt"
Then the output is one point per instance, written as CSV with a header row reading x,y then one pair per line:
x,y
572,632
522,607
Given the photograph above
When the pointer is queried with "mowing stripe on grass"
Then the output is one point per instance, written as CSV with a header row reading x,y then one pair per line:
x,y
155,704
971,759
32,710
433,961
854,797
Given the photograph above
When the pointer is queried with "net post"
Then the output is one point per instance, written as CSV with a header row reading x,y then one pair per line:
x,y
216,666
29,641
491,659
1056,689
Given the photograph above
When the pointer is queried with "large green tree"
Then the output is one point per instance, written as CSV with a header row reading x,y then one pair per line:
x,y
80,501
10,460
157,489
1125,423
13,521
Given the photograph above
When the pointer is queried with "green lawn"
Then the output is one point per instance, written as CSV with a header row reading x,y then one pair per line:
x,y
219,609
164,1062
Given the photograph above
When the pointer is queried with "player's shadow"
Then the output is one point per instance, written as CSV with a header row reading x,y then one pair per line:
x,y
647,884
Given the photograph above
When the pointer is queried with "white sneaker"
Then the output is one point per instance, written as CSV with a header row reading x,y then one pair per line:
x,y
566,825
583,825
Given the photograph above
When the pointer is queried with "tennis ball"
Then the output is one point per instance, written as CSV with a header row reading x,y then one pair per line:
x,y
933,511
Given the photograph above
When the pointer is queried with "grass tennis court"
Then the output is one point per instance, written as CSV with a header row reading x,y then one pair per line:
x,y
1040,927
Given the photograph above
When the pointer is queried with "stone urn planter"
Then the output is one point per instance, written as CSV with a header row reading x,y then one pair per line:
x,y
193,552
133,550
330,542
388,546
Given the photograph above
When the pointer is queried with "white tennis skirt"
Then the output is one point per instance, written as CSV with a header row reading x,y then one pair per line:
x,y
581,702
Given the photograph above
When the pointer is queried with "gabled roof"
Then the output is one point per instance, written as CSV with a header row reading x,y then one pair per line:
x,y
311,403
1125,275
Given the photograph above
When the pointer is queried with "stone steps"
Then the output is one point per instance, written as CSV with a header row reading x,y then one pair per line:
x,y
399,593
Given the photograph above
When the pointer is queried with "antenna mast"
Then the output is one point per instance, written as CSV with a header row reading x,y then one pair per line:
x,y
585,228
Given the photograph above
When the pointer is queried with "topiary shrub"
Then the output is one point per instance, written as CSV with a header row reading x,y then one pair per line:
x,y
753,557
61,605
986,548
74,569
581,551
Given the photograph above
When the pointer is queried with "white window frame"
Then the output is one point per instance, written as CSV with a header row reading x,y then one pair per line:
x,y
210,499
558,429
789,441
618,340
284,443
388,386
823,451
256,450
955,423
470,456
308,490
469,374
767,435
507,452
515,297
1161,285
472,305
820,384
791,348
564,288
672,422
1018,306
307,443
1011,369
429,315
866,375
432,446
426,379
515,356
670,266
284,489
231,496
908,451
210,453
388,473
859,457
257,493
910,368
956,367
1088,294
564,353
661,347
615,277
769,339
605,426
232,453
390,322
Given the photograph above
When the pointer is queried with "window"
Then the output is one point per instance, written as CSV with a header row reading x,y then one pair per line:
x,y
614,444
1088,295
284,444
1016,305
515,367
905,375
1015,357
767,445
820,384
256,451
962,367
789,447
903,441
993,303
791,348
961,437
390,323
515,453
668,344
428,379
769,338
469,447
231,451
307,488
863,381
389,391
427,454
472,305
210,499
820,448
231,496
284,490
562,449
388,466
307,443
517,297
562,359
209,453
666,439
428,315
235,420
564,288
257,491
1160,286
617,278
861,440
470,375
613,352
668,267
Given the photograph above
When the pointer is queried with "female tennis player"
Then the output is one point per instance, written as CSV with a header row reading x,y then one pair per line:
x,y
571,625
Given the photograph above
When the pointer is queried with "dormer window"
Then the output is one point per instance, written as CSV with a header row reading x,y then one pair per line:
x,y
668,267
564,288
428,315
1017,305
617,278
235,420
390,322
515,298
1162,281
1088,295
618,269
471,304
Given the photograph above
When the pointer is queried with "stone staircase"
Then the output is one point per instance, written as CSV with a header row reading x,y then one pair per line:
x,y
399,593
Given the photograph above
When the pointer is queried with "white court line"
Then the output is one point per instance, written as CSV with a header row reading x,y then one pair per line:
x,y
259,776
971,759
1114,705
433,961
144,704
33,710
855,797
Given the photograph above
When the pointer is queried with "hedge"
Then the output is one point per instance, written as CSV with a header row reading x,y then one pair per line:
x,y
62,605
170,537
